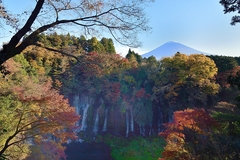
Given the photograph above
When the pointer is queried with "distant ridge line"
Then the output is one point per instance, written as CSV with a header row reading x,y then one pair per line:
x,y
169,49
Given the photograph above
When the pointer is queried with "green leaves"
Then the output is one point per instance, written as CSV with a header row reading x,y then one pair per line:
x,y
136,148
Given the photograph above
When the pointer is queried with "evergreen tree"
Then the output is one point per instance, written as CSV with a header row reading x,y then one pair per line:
x,y
132,56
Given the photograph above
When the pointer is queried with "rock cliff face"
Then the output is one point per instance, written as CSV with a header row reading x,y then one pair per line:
x,y
97,116
169,49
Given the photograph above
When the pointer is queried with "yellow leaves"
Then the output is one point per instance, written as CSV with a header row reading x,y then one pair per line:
x,y
193,70
129,79
209,87
196,66
202,67
41,71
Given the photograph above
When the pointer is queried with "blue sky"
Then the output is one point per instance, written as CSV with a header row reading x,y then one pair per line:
x,y
200,24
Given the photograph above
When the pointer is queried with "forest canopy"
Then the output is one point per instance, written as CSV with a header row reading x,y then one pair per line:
x,y
121,96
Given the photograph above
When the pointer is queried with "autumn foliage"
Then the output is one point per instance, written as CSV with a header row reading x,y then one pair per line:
x,y
224,77
33,117
188,134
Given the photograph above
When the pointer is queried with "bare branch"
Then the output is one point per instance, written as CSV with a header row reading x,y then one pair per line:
x,y
124,20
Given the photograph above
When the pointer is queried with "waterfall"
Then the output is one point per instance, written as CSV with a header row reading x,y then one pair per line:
x,y
170,114
84,118
85,102
97,105
77,105
105,119
151,131
95,127
129,117
142,130
127,123
131,121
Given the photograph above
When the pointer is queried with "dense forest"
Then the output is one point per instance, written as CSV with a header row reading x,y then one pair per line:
x,y
180,107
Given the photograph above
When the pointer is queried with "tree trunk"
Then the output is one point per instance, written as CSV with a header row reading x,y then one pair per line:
x,y
12,48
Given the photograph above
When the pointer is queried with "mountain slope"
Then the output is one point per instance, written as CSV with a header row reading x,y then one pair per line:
x,y
169,49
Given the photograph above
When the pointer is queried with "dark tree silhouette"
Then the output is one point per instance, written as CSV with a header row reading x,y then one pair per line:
x,y
122,19
231,6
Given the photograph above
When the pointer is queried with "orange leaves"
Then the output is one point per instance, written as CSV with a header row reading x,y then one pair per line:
x,y
90,65
36,113
196,120
142,94
112,90
42,114
188,128
31,91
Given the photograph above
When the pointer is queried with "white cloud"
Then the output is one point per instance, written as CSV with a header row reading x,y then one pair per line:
x,y
123,50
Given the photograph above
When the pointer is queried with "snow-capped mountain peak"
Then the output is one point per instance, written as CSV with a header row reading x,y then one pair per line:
x,y
169,49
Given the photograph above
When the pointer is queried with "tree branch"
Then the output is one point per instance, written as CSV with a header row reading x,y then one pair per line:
x,y
59,51
27,27
8,50
123,22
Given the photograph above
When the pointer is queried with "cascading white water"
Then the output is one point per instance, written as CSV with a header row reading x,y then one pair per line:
x,y
131,121
77,105
97,105
151,131
84,118
142,130
81,103
170,114
85,102
127,123
105,119
95,127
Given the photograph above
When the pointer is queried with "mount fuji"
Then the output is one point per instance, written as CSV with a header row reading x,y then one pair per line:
x,y
171,48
